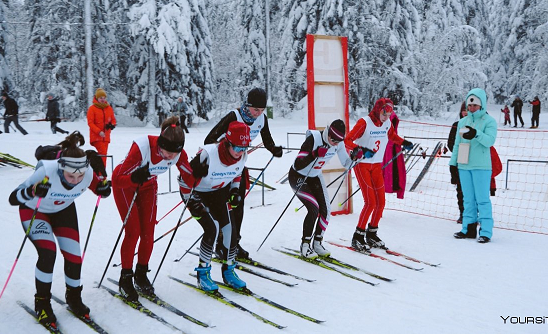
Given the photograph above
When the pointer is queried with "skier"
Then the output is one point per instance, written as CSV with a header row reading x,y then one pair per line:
x,y
251,113
306,179
210,190
180,109
58,182
136,175
368,139
101,122
53,114
11,114
506,113
471,154
517,104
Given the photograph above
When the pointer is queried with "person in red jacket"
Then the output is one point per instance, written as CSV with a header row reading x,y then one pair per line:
x,y
368,140
101,121
135,179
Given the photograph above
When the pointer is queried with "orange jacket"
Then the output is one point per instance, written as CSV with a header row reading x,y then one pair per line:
x,y
97,121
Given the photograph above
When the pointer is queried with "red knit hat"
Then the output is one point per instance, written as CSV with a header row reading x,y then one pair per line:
x,y
238,134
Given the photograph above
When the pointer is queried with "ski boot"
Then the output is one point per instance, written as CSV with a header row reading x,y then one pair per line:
x,y
231,278
125,286
204,278
141,281
73,296
42,306
307,252
319,248
372,239
242,253
358,242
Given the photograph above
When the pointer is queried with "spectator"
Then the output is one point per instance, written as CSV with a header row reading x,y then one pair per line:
x,y
506,113
394,173
536,112
53,114
453,169
180,109
517,105
478,132
101,121
11,114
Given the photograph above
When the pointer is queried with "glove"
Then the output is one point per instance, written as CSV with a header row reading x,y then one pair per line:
x,y
277,151
367,153
320,152
110,126
40,189
454,170
470,134
103,189
356,153
140,175
199,169
96,163
492,190
234,197
57,120
407,145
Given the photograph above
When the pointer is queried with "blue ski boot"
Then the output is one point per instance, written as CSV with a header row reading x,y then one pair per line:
x,y
204,278
230,277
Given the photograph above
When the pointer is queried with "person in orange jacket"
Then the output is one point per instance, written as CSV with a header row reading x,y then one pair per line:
x,y
101,121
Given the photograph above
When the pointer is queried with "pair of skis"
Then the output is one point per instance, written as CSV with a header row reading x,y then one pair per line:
x,y
53,328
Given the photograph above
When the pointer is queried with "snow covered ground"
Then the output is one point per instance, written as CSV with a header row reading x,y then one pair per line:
x,y
473,289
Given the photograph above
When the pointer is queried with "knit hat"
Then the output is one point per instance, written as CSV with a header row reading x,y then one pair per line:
x,y
100,92
256,98
337,130
473,99
238,134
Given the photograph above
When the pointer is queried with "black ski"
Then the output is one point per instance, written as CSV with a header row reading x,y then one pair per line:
x,y
85,319
250,271
162,303
272,269
348,266
52,328
427,165
139,307
245,291
375,255
218,296
319,262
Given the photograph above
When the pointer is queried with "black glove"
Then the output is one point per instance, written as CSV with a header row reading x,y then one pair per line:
x,y
367,152
140,175
96,163
356,153
110,126
320,152
199,169
103,189
277,151
470,134
454,170
407,145
195,206
39,190
234,197
57,120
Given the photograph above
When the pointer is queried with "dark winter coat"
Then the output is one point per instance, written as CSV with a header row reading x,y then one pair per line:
x,y
536,106
53,110
11,107
517,105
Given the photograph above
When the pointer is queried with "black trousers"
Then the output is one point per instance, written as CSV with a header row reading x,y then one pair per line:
x,y
15,119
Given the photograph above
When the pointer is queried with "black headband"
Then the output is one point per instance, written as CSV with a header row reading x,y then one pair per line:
x,y
171,146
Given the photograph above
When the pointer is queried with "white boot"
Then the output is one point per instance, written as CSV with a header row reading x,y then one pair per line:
x,y
319,248
307,251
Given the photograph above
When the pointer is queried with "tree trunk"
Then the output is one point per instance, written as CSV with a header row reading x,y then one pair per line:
x,y
88,51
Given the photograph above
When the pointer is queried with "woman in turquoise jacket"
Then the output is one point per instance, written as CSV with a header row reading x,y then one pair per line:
x,y
476,133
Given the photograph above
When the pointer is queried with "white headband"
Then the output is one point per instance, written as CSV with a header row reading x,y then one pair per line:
x,y
74,165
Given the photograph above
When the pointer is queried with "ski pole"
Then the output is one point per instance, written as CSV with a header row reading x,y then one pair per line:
x,y
175,207
172,237
288,204
258,177
189,248
34,213
120,234
90,227
383,167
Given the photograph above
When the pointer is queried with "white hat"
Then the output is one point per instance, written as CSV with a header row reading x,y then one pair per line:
x,y
74,165
473,99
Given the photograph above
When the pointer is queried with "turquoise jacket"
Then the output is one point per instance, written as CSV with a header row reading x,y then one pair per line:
x,y
486,128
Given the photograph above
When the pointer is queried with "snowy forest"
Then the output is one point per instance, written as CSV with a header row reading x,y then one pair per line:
x,y
425,55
